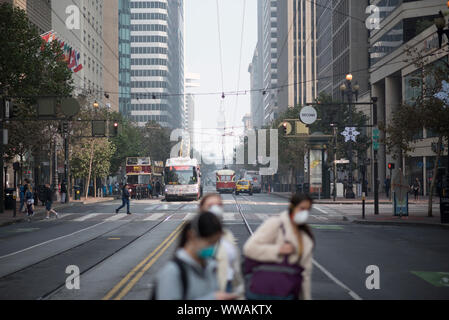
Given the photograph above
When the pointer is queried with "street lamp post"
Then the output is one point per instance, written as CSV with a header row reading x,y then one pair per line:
x,y
334,191
349,91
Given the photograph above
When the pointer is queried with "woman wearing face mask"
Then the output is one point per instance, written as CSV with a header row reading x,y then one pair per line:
x,y
283,239
229,274
191,274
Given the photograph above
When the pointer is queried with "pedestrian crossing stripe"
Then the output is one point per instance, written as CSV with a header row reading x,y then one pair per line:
x,y
86,217
116,217
154,217
184,216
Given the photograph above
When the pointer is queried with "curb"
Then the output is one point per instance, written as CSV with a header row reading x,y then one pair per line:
x,y
42,211
403,223
368,202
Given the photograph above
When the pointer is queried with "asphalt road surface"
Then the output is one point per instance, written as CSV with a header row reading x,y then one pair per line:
x,y
118,255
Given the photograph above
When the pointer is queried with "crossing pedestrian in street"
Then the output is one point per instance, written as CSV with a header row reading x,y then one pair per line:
x,y
190,275
48,197
29,198
278,256
229,272
125,199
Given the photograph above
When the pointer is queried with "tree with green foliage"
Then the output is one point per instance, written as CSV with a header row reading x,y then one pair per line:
x,y
425,110
28,69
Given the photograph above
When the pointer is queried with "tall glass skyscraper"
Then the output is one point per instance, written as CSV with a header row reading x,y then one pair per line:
x,y
157,62
125,56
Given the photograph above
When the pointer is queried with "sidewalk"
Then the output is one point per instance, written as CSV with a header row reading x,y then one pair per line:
x,y
385,217
7,217
369,200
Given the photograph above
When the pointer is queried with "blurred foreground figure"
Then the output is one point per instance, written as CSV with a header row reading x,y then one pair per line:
x,y
190,275
228,255
278,263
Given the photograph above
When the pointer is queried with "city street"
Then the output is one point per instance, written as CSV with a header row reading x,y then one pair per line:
x,y
118,254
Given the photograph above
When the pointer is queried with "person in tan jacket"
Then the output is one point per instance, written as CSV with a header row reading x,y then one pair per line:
x,y
229,273
271,244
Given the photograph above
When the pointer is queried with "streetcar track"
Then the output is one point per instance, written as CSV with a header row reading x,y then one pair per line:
x,y
52,292
59,287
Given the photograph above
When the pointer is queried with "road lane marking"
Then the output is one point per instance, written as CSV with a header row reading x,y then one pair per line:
x,y
354,295
88,216
48,241
139,275
154,217
116,217
228,216
319,209
122,282
262,216
113,238
189,216
320,217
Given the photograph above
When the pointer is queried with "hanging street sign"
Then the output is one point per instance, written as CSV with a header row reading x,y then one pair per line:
x,y
308,115
350,133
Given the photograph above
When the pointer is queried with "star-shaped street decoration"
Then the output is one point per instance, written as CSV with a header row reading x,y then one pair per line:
x,y
443,95
350,133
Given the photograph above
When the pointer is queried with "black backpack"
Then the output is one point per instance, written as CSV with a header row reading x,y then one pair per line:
x,y
183,274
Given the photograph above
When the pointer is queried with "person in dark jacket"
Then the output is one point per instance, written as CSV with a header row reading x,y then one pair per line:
x,y
48,197
158,188
125,199
63,192
23,190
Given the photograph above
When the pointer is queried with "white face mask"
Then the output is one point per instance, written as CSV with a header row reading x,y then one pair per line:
x,y
301,217
217,210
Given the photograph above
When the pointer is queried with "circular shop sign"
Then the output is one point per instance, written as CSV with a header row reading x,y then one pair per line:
x,y
308,115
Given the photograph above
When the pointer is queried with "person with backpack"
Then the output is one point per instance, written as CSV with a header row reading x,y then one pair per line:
x,y
229,273
125,199
190,275
278,256
29,198
416,188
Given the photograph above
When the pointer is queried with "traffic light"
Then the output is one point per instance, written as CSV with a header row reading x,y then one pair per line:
x,y
284,128
391,166
115,129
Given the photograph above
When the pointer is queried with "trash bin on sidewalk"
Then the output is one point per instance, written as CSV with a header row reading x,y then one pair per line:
x,y
77,191
9,199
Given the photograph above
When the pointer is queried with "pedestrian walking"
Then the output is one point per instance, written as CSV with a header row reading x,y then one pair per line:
x,y
387,185
63,191
416,188
158,188
29,198
229,274
48,197
150,190
125,199
23,189
190,275
278,256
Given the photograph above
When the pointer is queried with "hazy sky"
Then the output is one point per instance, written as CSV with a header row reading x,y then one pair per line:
x,y
202,56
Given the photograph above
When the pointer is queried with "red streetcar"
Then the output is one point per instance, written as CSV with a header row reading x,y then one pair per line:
x,y
225,182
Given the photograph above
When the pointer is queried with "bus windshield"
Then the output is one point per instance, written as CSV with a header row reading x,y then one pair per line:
x,y
138,179
180,175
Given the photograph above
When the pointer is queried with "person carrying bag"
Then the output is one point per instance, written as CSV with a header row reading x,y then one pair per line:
x,y
278,256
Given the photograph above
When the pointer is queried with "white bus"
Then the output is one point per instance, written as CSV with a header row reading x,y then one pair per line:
x,y
182,179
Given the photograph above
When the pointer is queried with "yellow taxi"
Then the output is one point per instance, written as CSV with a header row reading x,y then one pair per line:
x,y
244,186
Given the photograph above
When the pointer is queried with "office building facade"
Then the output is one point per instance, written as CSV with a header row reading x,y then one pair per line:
x,y
256,82
157,62
405,25
124,52
38,11
342,45
297,53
